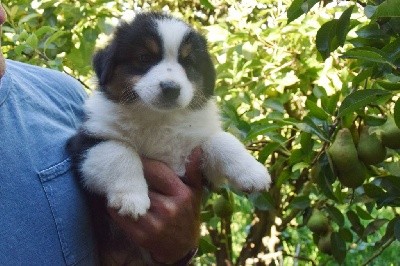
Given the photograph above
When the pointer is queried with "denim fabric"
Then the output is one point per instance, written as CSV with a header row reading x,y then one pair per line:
x,y
44,216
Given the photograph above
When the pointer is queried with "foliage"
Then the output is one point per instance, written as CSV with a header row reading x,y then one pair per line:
x,y
291,75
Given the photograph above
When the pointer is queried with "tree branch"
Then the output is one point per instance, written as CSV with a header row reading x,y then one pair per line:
x,y
300,258
379,251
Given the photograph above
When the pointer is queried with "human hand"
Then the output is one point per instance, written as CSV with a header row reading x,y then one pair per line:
x,y
170,229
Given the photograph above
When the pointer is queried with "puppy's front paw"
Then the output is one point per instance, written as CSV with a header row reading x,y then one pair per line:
x,y
128,203
250,176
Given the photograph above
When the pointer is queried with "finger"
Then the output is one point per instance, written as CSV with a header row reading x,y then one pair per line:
x,y
194,176
138,231
161,178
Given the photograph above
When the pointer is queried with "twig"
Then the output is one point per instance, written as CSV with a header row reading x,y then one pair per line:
x,y
78,79
300,258
379,251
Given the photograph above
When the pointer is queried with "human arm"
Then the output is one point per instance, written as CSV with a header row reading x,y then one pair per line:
x,y
170,229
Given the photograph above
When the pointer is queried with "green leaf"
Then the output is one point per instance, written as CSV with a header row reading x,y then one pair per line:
x,y
389,233
392,50
346,234
261,130
336,215
359,99
373,191
267,150
206,4
368,54
363,214
389,8
316,111
374,226
397,229
329,104
343,25
262,201
356,225
52,38
298,8
32,41
338,247
363,75
326,39
333,33
27,18
324,181
396,113
390,86
44,30
300,202
307,125
206,246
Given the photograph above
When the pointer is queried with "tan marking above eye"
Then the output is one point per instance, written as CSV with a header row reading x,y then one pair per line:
x,y
186,50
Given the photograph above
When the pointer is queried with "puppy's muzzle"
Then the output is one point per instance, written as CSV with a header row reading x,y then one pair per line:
x,y
170,90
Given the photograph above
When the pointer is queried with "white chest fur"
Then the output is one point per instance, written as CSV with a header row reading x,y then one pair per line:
x,y
168,137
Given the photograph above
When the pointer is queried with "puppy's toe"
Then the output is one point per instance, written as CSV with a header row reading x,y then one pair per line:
x,y
132,204
253,178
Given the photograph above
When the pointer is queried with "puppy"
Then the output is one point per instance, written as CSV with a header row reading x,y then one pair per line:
x,y
155,99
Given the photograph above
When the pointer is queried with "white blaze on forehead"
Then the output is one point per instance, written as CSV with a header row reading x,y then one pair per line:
x,y
172,32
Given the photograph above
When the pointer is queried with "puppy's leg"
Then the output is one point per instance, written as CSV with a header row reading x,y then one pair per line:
x,y
226,156
114,169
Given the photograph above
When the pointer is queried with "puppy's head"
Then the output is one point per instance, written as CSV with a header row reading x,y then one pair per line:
x,y
156,60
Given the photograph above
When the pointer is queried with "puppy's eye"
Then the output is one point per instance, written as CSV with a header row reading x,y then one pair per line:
x,y
145,58
189,60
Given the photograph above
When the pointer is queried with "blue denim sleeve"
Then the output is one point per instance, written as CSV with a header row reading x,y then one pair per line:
x,y
44,216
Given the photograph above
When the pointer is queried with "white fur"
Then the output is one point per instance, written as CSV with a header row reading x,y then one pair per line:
x,y
148,87
114,167
172,32
145,128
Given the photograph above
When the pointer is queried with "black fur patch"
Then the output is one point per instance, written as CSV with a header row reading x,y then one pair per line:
x,y
136,47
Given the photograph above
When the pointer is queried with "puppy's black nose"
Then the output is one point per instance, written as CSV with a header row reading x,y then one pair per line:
x,y
170,90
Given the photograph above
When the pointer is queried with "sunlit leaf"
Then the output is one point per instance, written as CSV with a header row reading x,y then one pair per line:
x,y
359,99
388,8
298,8
207,4
316,111
368,54
333,33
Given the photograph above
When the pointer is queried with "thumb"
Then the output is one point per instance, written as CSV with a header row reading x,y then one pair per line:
x,y
193,177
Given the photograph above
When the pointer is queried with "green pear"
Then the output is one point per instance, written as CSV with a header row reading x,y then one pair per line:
x,y
318,223
370,149
343,154
390,134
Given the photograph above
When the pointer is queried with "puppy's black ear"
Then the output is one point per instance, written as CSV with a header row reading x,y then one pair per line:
x,y
103,64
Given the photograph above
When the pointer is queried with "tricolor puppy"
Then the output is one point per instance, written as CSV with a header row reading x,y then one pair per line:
x,y
156,82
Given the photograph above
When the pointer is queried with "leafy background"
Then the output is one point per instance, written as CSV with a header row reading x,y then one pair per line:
x,y
291,74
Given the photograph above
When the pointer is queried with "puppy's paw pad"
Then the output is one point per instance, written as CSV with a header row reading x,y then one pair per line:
x,y
127,203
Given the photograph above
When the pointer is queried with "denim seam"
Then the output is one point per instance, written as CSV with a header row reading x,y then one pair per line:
x,y
46,175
